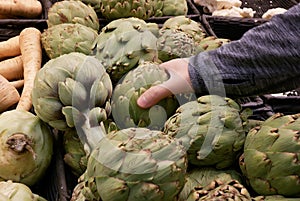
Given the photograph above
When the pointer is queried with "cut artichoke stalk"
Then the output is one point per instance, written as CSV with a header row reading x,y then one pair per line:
x,y
26,147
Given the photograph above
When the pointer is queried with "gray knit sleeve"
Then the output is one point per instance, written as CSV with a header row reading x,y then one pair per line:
x,y
265,60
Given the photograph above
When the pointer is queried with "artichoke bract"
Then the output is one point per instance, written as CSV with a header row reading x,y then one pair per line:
x,y
72,11
26,147
124,43
270,161
127,113
66,38
134,164
72,90
211,129
14,191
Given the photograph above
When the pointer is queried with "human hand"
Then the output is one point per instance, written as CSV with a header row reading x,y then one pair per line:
x,y
179,82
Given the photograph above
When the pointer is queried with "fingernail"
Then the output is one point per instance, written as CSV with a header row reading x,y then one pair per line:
x,y
142,101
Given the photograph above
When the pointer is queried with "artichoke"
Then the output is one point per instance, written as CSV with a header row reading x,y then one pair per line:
x,y
197,177
173,43
142,9
72,90
219,190
124,43
67,38
174,7
125,110
26,147
211,43
211,128
14,191
270,161
72,11
134,164
187,25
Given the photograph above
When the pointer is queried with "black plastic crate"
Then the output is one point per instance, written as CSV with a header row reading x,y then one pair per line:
x,y
13,27
233,28
260,110
287,103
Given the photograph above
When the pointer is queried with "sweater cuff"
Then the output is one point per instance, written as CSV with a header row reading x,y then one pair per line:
x,y
205,76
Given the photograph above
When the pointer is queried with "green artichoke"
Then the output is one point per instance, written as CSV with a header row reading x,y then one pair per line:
x,y
125,110
187,25
173,43
124,43
116,9
26,147
270,161
67,38
211,128
174,7
73,11
211,43
219,190
134,164
72,90
197,177
14,191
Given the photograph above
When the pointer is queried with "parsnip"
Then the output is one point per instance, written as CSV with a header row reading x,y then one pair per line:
x,y
10,47
31,51
12,68
18,84
9,95
22,8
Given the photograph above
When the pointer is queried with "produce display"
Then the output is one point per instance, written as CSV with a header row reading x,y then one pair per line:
x,y
80,78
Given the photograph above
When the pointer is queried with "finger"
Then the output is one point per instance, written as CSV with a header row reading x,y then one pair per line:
x,y
152,96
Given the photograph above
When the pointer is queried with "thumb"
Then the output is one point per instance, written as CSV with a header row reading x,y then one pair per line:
x,y
152,96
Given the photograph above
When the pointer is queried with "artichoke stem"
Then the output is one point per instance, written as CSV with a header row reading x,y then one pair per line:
x,y
21,143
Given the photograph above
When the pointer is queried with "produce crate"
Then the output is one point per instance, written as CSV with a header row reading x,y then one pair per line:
x,y
234,27
286,103
12,27
261,111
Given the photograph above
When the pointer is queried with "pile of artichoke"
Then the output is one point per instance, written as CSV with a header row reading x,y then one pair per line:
x,y
185,148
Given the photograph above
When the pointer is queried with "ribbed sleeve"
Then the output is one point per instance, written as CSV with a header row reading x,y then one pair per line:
x,y
265,60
